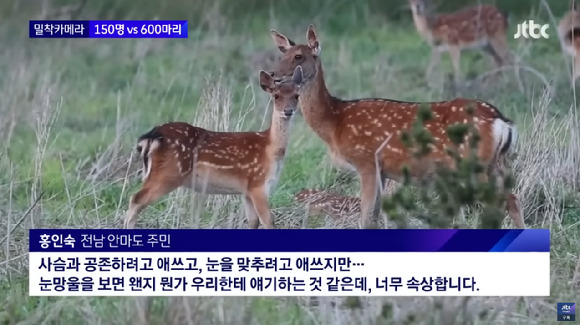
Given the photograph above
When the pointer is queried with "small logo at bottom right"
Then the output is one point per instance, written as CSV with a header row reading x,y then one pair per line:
x,y
566,312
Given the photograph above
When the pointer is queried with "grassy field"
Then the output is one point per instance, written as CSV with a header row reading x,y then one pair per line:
x,y
71,110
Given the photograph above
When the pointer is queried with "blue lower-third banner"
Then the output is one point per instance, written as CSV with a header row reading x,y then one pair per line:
x,y
107,28
293,262
289,240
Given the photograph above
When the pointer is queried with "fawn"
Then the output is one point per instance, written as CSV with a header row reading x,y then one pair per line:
x,y
248,163
569,34
365,134
331,204
481,27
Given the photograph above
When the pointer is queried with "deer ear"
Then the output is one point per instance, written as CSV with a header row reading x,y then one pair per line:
x,y
282,42
313,42
298,75
266,82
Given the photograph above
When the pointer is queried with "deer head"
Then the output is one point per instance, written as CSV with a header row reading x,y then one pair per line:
x,y
294,55
285,94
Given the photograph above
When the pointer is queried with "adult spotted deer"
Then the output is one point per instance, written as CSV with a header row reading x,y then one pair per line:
x,y
365,134
569,34
248,163
481,27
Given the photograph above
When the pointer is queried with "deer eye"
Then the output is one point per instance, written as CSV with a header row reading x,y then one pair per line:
x,y
296,96
298,57
276,96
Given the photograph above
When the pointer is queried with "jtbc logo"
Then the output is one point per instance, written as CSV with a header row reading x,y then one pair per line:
x,y
530,28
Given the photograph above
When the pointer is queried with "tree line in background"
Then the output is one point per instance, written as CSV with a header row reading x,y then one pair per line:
x,y
195,9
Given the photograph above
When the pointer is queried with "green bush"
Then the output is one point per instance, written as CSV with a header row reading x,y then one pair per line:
x,y
445,192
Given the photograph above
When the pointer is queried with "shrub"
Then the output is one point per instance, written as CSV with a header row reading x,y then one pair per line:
x,y
447,190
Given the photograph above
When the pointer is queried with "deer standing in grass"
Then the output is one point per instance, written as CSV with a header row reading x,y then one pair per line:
x,y
569,34
248,163
365,134
481,27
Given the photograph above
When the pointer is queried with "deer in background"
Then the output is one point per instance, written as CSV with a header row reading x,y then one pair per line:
x,y
569,35
481,27
365,134
248,163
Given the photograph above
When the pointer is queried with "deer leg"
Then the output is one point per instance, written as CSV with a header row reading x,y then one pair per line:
x,y
500,47
377,209
496,60
576,71
513,205
262,208
370,203
433,62
515,210
197,210
151,192
251,215
461,215
455,54
492,54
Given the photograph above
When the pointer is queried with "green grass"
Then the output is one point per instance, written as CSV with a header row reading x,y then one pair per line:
x,y
70,112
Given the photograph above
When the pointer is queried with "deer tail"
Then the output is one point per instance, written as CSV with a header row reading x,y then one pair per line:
x,y
146,145
504,136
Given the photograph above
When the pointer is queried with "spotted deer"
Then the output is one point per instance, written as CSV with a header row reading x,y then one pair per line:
x,y
365,134
569,35
178,154
481,27
334,205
